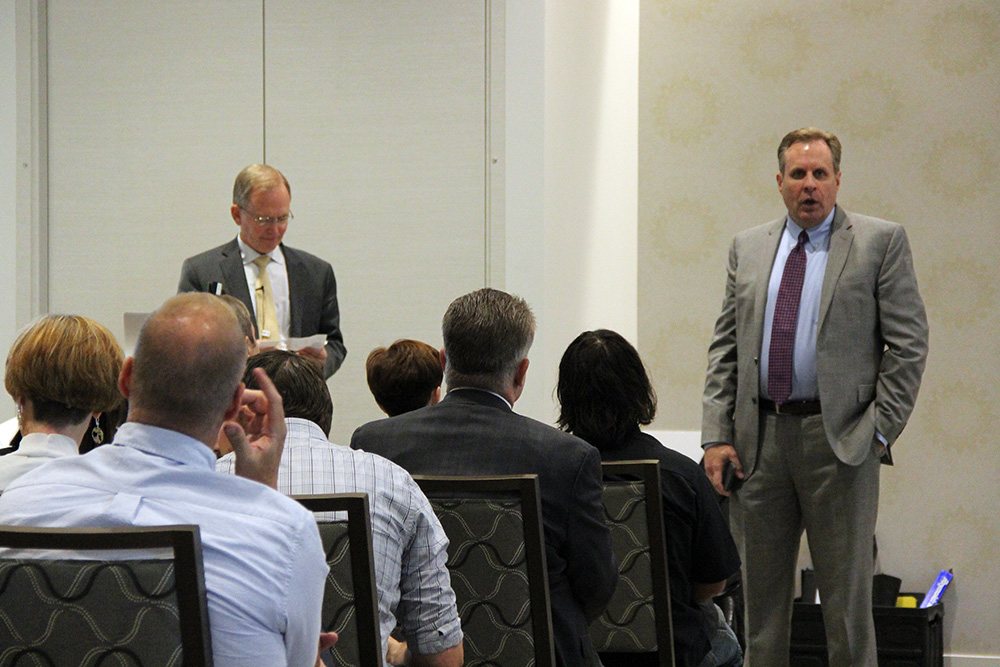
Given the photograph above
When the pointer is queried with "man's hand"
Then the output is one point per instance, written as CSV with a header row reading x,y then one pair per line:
x,y
259,438
716,457
317,354
326,640
397,653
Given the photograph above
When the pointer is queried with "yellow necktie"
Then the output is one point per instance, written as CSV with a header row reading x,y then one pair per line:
x,y
267,316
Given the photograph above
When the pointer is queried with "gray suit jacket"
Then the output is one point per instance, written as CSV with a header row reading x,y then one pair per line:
x,y
312,290
473,432
871,343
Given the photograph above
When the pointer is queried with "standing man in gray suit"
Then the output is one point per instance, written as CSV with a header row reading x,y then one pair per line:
x,y
289,293
813,371
475,431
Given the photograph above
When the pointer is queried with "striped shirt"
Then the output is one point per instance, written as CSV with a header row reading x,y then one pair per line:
x,y
410,547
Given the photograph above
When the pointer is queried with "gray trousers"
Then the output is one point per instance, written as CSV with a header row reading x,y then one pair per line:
x,y
799,484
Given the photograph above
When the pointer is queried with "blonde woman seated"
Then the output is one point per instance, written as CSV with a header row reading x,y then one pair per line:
x,y
62,372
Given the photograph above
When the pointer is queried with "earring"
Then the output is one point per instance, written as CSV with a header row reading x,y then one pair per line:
x,y
19,424
96,433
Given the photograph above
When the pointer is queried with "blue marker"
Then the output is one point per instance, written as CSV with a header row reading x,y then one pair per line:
x,y
937,589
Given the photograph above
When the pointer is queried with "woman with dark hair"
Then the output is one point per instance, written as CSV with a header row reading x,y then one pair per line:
x,y
605,396
62,372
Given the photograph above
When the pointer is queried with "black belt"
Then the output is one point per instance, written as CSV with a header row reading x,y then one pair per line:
x,y
791,407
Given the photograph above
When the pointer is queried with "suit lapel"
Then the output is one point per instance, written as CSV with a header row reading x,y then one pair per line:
x,y
298,279
841,239
766,254
234,278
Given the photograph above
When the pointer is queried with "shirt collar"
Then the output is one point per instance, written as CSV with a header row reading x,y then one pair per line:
x,y
166,444
485,391
47,444
819,236
302,431
249,254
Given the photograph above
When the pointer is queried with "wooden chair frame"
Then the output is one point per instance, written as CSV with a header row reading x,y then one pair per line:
x,y
359,533
648,472
525,488
189,575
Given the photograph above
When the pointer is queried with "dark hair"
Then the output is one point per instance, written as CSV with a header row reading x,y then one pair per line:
x,y
486,335
403,376
604,391
299,381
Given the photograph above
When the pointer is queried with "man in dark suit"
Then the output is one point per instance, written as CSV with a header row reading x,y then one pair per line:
x,y
474,431
813,371
295,293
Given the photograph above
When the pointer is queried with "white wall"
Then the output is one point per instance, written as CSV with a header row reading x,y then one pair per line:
x,y
571,196
571,127
8,197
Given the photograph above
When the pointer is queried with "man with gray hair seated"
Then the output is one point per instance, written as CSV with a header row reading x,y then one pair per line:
x,y
474,431
410,547
263,559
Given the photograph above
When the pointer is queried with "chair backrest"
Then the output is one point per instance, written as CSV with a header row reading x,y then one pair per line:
x,y
496,558
57,608
350,606
637,620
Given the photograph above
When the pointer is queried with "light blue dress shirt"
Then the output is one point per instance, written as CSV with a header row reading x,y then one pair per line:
x,y
410,546
264,562
804,384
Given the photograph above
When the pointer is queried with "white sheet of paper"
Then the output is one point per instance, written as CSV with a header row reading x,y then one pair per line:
x,y
316,341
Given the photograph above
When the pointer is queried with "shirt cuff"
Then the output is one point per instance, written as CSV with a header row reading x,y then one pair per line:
x,y
438,640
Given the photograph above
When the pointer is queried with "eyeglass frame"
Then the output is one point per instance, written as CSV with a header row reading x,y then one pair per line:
x,y
263,220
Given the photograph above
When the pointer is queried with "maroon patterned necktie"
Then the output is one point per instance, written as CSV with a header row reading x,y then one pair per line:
x,y
786,315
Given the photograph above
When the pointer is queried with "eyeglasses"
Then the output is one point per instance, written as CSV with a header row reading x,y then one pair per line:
x,y
264,220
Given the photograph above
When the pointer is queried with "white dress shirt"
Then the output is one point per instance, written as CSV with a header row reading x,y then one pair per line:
x,y
34,450
278,273
409,544
264,562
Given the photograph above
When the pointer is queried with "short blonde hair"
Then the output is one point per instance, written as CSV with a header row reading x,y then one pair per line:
x,y
257,177
65,361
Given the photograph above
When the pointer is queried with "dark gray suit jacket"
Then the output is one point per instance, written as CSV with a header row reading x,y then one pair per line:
x,y
312,290
473,432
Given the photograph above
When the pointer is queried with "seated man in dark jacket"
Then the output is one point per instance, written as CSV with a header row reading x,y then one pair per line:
x,y
474,431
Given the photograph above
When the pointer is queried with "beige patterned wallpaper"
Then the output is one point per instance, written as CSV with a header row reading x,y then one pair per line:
x,y
912,88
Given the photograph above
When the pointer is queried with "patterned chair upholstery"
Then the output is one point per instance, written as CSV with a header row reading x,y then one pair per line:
x,y
116,611
636,627
496,557
350,606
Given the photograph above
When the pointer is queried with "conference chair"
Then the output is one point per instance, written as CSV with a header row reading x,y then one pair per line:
x,y
350,604
496,558
103,596
636,628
